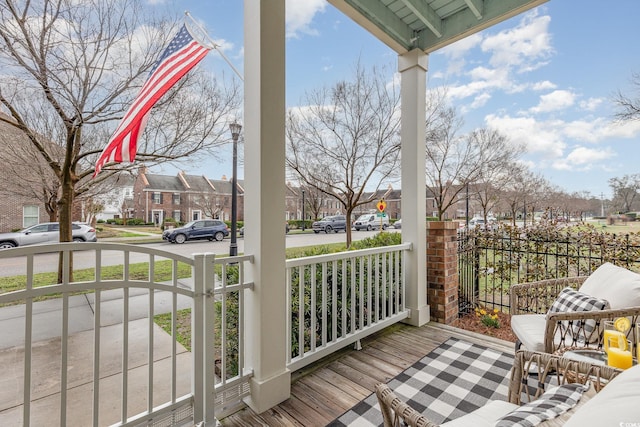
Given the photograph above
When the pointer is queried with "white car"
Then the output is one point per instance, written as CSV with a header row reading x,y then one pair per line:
x,y
371,221
48,232
480,223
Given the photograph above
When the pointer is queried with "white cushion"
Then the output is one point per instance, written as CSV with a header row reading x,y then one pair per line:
x,y
616,404
487,415
619,286
529,328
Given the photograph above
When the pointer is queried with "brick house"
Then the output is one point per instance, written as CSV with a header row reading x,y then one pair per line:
x,y
183,198
23,185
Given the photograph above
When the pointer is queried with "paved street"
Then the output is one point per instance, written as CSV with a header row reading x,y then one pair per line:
x,y
49,262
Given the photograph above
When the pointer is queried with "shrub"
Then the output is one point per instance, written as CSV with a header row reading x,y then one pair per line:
x,y
380,239
304,311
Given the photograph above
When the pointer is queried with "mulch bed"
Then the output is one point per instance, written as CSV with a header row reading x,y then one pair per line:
x,y
471,322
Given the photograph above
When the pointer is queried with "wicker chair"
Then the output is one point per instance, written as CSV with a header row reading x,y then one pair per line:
x,y
558,331
531,370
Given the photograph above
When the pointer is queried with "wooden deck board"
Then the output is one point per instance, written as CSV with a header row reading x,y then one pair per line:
x,y
325,390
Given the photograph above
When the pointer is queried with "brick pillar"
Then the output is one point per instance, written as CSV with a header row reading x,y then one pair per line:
x,y
442,270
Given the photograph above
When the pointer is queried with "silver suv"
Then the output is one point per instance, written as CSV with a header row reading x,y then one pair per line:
x,y
330,224
48,232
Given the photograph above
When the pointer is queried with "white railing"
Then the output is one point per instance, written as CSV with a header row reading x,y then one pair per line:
x,y
114,366
160,382
338,299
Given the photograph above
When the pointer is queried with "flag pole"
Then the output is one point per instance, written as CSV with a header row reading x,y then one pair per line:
x,y
204,33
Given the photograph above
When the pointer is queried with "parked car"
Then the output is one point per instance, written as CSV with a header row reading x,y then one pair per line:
x,y
475,222
210,229
370,221
286,229
398,224
47,232
330,224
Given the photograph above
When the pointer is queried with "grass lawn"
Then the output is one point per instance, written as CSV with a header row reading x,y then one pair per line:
x,y
617,228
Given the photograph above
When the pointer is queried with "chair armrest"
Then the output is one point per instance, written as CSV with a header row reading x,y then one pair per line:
x,y
533,370
537,297
397,413
573,334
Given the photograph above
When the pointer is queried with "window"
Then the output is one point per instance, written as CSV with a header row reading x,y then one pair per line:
x,y
156,197
177,216
176,198
30,216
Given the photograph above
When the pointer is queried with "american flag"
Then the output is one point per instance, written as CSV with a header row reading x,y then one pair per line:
x,y
182,54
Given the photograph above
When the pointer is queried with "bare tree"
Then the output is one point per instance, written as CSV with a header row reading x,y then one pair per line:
x,y
313,199
210,204
346,139
625,191
453,161
493,173
629,106
70,69
40,183
519,192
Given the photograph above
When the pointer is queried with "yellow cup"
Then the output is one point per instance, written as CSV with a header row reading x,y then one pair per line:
x,y
618,357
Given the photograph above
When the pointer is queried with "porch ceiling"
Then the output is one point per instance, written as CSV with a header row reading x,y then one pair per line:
x,y
404,25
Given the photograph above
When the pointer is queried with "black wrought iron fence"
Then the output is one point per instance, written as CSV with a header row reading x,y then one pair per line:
x,y
490,261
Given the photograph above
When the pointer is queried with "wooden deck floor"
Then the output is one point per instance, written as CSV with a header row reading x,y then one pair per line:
x,y
323,391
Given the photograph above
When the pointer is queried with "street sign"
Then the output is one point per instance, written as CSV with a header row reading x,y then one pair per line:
x,y
382,205
381,214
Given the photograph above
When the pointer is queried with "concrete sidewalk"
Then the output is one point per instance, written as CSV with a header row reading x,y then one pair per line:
x,y
46,358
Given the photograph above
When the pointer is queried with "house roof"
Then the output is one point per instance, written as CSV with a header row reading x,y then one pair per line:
x,y
224,187
164,183
189,183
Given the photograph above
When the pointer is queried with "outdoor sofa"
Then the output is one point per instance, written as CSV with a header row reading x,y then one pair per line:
x,y
612,397
553,315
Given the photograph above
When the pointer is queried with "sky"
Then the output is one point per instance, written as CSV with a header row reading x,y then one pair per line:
x,y
546,79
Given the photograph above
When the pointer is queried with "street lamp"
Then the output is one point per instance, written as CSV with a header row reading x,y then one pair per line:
x,y
303,209
235,129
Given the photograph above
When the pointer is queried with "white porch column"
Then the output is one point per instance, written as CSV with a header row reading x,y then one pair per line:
x,y
264,123
413,70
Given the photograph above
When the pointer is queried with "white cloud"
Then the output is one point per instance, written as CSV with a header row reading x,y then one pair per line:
x,y
554,101
537,138
545,85
583,155
630,129
591,104
583,158
461,48
300,14
511,51
480,100
524,47
457,53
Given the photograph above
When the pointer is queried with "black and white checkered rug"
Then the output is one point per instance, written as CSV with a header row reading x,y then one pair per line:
x,y
451,381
